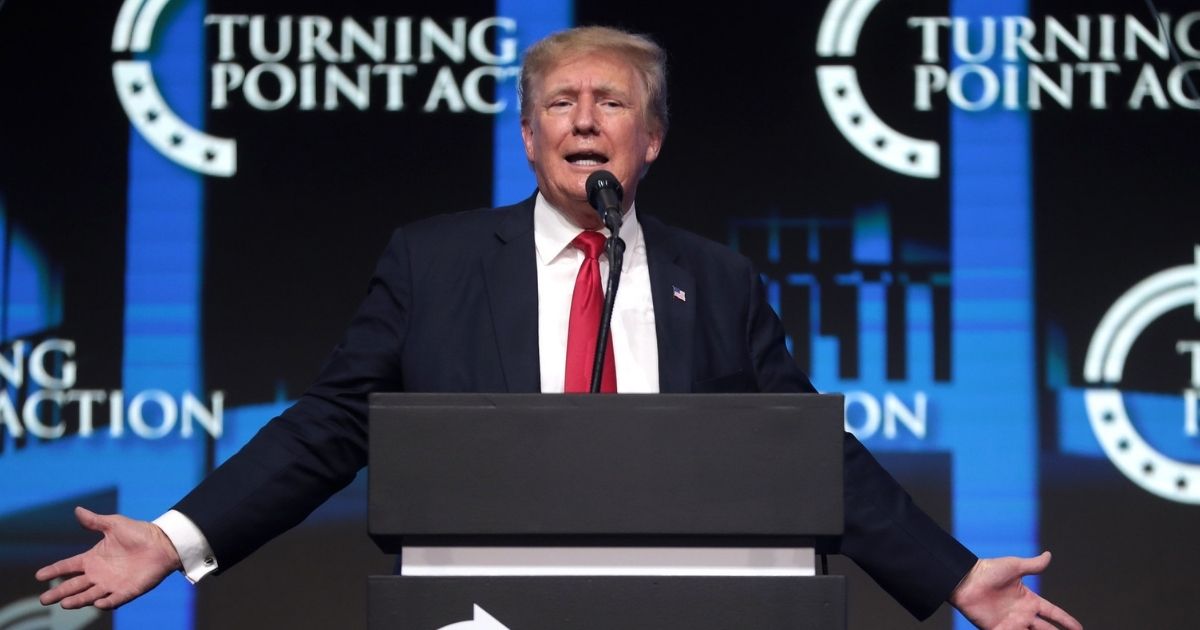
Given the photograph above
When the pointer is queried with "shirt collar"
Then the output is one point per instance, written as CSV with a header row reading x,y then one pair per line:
x,y
553,231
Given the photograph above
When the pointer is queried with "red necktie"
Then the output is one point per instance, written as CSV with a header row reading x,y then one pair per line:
x,y
587,307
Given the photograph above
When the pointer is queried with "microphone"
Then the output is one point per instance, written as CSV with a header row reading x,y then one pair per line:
x,y
604,193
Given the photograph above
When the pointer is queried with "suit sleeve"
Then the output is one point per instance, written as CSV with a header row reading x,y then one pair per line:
x,y
898,545
316,447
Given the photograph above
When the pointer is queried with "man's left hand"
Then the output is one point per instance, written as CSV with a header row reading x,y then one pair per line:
x,y
993,597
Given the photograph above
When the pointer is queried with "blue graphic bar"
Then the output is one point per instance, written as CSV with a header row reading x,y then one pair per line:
x,y
991,424
872,326
512,179
164,265
32,287
872,235
919,332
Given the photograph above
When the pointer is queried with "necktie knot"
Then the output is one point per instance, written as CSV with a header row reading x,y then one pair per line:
x,y
590,243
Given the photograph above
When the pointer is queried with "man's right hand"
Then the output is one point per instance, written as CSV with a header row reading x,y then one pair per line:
x,y
132,558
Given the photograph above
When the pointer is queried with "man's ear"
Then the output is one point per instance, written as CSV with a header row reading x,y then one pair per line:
x,y
654,147
527,138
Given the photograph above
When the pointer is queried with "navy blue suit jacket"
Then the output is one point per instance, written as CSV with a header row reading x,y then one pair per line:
x,y
452,307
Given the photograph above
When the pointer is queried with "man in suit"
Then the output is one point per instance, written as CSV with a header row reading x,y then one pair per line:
x,y
493,301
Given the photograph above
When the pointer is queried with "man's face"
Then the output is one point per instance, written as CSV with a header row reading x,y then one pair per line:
x,y
588,114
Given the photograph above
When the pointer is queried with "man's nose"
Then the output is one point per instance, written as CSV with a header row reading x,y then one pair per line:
x,y
585,121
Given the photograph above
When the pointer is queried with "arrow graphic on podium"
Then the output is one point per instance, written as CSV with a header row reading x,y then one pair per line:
x,y
481,621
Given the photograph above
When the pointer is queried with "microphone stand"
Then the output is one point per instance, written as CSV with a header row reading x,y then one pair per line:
x,y
615,248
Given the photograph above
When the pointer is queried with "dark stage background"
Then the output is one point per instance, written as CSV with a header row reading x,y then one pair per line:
x,y
976,218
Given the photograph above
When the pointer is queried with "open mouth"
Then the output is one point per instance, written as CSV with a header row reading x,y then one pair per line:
x,y
587,159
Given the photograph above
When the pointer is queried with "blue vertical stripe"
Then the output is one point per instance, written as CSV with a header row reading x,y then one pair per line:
x,y
33,289
872,236
512,180
872,332
164,256
919,332
992,423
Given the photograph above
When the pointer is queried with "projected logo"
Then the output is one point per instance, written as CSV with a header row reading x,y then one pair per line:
x,y
1130,315
844,100
314,63
1008,62
867,310
144,103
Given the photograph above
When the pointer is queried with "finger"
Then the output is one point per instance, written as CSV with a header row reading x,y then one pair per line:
x,y
1035,565
111,601
62,568
1041,624
91,520
85,598
68,588
1059,616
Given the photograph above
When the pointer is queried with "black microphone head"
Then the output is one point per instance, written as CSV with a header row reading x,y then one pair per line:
x,y
602,181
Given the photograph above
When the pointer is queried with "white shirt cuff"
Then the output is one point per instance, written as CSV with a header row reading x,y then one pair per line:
x,y
191,545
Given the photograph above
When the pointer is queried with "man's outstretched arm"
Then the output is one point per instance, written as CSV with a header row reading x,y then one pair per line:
x,y
132,558
993,597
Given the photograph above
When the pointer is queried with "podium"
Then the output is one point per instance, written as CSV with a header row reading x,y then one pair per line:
x,y
590,512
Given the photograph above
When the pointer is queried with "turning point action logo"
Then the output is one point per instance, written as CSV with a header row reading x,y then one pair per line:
x,y
145,106
314,63
848,108
1129,316
1007,62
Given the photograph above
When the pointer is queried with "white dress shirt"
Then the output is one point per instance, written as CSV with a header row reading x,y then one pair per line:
x,y
194,551
635,346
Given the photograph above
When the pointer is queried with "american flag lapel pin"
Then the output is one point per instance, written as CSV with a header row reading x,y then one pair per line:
x,y
678,293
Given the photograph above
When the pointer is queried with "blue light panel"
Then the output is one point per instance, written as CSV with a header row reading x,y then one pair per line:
x,y
512,179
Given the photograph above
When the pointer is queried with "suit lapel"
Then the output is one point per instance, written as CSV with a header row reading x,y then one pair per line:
x,y
673,290
511,278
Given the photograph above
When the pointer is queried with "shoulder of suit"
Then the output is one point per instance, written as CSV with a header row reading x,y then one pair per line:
x,y
467,227
479,218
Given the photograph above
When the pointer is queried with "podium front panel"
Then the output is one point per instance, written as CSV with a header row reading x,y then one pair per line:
x,y
648,469
605,603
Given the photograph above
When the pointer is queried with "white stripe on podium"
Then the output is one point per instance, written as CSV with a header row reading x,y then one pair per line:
x,y
679,561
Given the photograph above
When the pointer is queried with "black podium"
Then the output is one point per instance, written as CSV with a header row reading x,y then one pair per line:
x,y
590,512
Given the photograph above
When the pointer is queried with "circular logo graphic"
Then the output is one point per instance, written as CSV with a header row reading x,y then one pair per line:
x,y
844,100
145,106
1137,459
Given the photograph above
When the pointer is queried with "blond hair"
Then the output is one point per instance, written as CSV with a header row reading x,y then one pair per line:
x,y
648,59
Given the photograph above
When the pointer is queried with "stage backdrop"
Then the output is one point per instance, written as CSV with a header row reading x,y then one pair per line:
x,y
977,219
